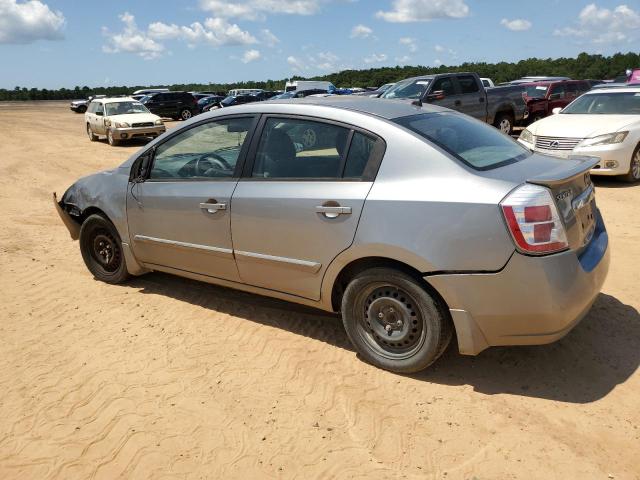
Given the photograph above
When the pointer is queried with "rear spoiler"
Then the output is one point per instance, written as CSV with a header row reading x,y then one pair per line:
x,y
579,166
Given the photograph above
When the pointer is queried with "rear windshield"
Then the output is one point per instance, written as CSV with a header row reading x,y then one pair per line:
x,y
476,144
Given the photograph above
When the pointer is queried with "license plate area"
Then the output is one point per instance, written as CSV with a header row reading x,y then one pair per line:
x,y
586,218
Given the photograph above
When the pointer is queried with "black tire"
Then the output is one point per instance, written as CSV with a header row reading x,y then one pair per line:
x,y
114,142
633,176
92,136
394,322
101,250
504,122
185,114
81,109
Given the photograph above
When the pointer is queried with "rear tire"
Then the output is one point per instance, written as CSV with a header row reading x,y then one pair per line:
x,y
504,123
633,176
394,322
185,114
101,250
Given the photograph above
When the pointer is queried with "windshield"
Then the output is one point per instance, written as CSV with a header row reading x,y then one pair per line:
x,y
536,91
413,88
476,144
612,103
124,108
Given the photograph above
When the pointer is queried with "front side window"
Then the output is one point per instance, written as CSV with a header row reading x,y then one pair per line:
x,y
536,91
558,92
209,150
445,85
477,144
296,148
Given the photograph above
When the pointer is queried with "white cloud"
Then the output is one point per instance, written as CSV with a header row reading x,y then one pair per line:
x,y
375,58
296,64
269,38
404,59
405,11
361,31
437,62
325,61
29,21
603,26
410,43
258,9
250,56
132,40
516,25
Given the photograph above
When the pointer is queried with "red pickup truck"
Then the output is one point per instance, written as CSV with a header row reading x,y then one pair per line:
x,y
543,97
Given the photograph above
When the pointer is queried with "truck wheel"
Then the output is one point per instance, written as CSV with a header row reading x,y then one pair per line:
x,y
504,123
92,136
114,142
101,250
81,109
185,114
633,175
393,322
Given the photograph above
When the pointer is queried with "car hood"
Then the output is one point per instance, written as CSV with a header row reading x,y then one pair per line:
x,y
135,118
581,126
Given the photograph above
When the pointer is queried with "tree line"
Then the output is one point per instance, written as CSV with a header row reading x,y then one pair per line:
x,y
584,66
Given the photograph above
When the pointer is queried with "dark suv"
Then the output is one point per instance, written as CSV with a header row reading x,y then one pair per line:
x,y
176,105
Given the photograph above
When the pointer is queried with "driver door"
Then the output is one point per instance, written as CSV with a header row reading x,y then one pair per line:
x,y
179,216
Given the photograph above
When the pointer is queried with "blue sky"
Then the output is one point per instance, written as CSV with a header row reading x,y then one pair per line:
x,y
63,43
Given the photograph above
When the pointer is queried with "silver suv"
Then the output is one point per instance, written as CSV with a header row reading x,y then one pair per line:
x,y
413,222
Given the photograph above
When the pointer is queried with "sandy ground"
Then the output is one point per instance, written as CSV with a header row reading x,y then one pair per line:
x,y
169,378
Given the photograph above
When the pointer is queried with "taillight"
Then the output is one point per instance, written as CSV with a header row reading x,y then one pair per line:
x,y
533,220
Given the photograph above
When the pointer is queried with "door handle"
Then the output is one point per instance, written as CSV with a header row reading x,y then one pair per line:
x,y
213,207
458,103
333,211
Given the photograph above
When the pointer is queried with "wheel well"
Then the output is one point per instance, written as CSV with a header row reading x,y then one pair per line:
x,y
87,212
362,264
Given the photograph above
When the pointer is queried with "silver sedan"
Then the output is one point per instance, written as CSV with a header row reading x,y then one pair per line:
x,y
414,222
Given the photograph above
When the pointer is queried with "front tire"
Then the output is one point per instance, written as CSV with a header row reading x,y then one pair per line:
x,y
633,176
185,114
504,123
101,250
114,142
92,136
393,322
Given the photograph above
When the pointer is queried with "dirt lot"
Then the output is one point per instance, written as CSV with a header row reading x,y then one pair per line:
x,y
169,378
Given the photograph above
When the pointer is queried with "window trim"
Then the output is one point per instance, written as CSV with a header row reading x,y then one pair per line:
x,y
368,175
239,164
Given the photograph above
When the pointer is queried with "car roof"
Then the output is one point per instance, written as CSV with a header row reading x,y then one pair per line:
x,y
388,109
116,99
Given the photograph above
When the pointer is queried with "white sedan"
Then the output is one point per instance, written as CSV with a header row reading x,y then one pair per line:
x,y
603,123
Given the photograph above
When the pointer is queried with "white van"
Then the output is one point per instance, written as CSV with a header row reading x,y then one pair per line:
x,y
309,85
244,91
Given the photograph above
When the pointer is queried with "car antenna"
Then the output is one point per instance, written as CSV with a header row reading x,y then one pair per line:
x,y
417,103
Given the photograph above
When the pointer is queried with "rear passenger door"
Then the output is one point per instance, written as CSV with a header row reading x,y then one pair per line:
x,y
298,203
471,99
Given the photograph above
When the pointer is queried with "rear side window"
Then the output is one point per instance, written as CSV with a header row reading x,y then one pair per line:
x,y
476,144
360,151
296,148
468,84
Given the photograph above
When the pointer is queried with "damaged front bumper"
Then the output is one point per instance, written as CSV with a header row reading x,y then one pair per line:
x,y
70,223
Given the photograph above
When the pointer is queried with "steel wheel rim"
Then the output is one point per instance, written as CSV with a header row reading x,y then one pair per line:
x,y
390,322
105,251
186,114
505,126
110,137
635,166
309,138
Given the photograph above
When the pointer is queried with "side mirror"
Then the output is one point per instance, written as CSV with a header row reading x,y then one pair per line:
x,y
437,95
100,113
556,110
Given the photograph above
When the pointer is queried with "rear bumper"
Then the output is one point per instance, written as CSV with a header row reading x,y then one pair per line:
x,y
532,301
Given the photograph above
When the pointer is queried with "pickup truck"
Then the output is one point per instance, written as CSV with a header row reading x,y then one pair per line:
x,y
543,97
502,107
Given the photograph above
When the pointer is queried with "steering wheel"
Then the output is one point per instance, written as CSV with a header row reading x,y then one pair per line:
x,y
211,160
